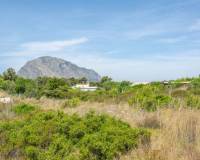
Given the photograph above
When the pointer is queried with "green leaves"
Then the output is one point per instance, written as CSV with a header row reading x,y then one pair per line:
x,y
55,136
10,74
24,109
150,98
74,102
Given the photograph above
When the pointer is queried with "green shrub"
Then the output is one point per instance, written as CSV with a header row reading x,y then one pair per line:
x,y
149,102
56,136
162,100
193,101
8,86
24,109
74,102
32,152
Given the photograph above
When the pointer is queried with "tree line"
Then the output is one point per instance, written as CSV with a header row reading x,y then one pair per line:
x,y
148,97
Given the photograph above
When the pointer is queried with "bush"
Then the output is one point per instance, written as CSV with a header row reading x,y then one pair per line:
x,y
74,102
149,102
8,86
193,101
24,109
55,136
32,152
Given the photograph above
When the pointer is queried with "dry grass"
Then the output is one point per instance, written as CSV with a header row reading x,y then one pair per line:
x,y
121,111
3,94
177,139
175,133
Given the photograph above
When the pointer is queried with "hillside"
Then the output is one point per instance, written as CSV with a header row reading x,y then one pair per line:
x,y
55,67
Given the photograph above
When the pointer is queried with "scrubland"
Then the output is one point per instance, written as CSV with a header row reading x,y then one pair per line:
x,y
49,119
175,132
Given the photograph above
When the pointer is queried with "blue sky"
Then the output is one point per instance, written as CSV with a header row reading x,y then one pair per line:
x,y
137,40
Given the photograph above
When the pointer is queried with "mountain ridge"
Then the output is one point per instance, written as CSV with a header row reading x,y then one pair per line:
x,y
48,66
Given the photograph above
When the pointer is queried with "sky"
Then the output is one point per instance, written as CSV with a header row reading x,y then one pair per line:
x,y
136,40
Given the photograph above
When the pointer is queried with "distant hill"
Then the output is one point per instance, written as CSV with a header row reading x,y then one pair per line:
x,y
55,67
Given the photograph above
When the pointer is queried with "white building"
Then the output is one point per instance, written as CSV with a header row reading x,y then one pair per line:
x,y
139,83
85,87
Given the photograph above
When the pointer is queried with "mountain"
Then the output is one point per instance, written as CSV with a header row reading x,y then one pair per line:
x,y
55,67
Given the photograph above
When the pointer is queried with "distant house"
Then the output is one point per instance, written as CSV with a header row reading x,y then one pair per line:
x,y
139,83
165,82
85,87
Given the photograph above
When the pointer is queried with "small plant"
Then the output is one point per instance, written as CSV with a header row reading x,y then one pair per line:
x,y
74,102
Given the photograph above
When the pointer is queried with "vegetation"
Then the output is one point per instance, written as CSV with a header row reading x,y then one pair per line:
x,y
9,74
148,97
24,109
162,120
54,135
74,102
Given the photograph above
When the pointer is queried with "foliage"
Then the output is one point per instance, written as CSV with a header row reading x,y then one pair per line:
x,y
26,87
10,74
148,97
124,85
193,101
74,102
8,86
83,80
24,109
54,136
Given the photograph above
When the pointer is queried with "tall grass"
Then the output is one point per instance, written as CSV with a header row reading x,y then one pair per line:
x,y
177,139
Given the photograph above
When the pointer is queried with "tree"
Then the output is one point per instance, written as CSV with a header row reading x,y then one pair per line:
x,y
10,74
71,81
83,80
106,83
105,79
54,83
123,86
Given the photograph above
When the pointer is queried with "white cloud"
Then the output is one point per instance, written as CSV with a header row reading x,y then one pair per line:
x,y
51,46
195,26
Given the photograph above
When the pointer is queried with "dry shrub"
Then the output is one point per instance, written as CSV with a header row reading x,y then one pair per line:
x,y
149,120
3,94
5,112
179,93
44,102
